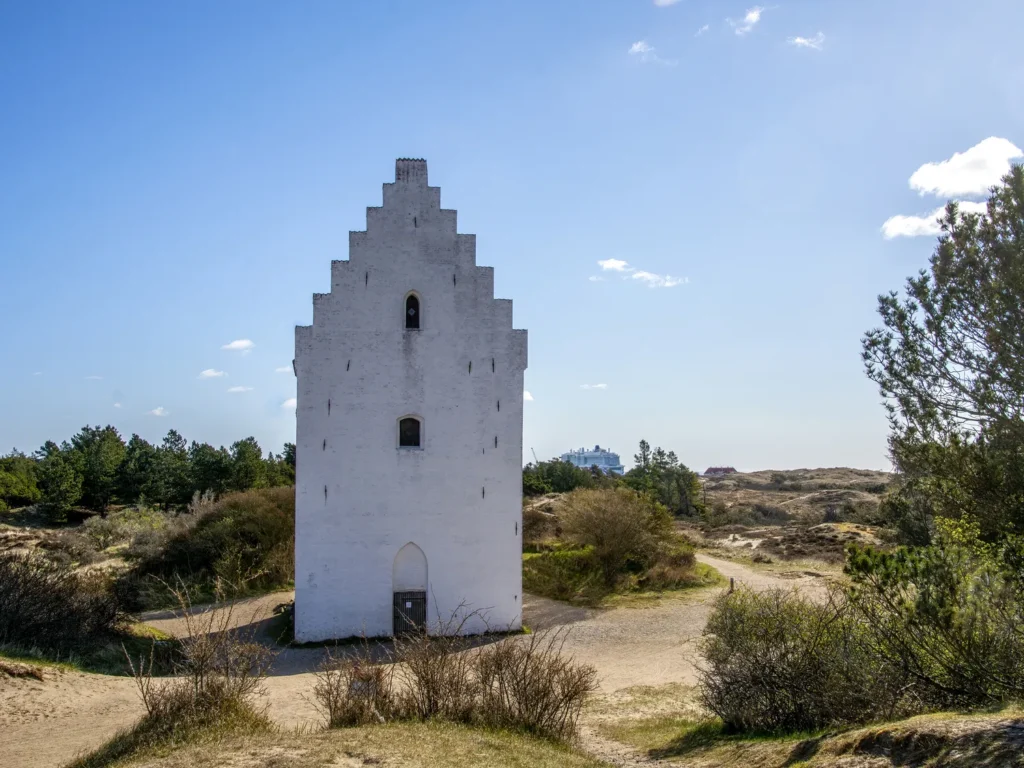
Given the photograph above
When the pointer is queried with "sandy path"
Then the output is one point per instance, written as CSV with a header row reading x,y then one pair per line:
x,y
43,724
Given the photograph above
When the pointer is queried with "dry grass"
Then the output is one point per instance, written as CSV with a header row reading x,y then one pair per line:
x,y
939,741
804,495
411,745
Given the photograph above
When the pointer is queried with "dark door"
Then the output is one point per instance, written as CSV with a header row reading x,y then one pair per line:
x,y
410,612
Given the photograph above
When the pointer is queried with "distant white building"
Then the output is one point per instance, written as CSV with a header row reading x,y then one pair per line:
x,y
599,457
409,431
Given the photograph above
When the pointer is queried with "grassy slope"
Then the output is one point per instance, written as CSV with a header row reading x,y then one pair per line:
x,y
433,745
948,740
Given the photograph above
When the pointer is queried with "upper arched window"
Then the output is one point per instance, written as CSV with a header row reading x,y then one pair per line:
x,y
412,312
410,433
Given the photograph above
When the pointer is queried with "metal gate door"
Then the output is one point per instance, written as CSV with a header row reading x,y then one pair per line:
x,y
410,612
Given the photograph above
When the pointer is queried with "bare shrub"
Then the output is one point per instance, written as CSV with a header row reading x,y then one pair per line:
x,y
48,606
69,548
619,524
437,676
529,684
516,683
217,675
353,690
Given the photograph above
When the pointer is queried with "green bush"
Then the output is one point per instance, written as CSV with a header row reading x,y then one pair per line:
x,y
624,530
778,662
573,575
951,614
244,539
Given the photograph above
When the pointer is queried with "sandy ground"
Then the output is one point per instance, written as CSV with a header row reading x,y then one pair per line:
x,y
44,724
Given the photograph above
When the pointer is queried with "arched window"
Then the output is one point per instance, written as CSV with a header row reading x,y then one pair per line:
x,y
412,312
409,432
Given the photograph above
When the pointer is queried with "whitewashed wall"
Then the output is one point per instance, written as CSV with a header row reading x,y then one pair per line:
x,y
359,497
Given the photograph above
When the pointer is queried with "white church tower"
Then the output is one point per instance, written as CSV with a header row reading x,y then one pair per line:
x,y
409,431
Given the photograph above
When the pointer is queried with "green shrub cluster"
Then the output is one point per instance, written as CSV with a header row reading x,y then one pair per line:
x,y
243,539
610,541
914,630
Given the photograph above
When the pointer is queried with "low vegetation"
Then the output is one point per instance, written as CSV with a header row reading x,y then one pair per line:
x,y
913,631
431,744
50,609
213,690
603,542
523,684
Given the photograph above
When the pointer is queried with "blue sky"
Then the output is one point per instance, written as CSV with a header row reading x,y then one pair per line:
x,y
178,176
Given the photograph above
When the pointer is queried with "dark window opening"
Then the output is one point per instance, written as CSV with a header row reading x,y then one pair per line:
x,y
409,433
495,441
412,313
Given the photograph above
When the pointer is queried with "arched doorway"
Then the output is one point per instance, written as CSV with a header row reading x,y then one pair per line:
x,y
409,587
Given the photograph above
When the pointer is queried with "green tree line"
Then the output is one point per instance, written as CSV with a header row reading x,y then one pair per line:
x,y
96,468
657,473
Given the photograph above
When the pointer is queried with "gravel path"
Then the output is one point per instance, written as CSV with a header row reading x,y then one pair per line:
x,y
47,723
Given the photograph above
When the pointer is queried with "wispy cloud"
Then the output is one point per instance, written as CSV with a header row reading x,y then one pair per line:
x,y
967,173
94,378
645,52
816,43
239,345
665,3
658,281
211,373
595,279
290,403
628,272
37,373
239,389
117,405
593,386
614,265
158,411
928,224
527,396
748,22
702,30
284,369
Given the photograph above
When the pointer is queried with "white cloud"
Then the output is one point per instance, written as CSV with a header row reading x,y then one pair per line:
x,y
239,389
615,265
659,281
967,173
94,378
284,369
239,345
748,22
665,3
817,42
916,226
211,373
291,402
593,386
117,405
702,30
38,373
632,273
595,279
158,411
646,52
527,396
